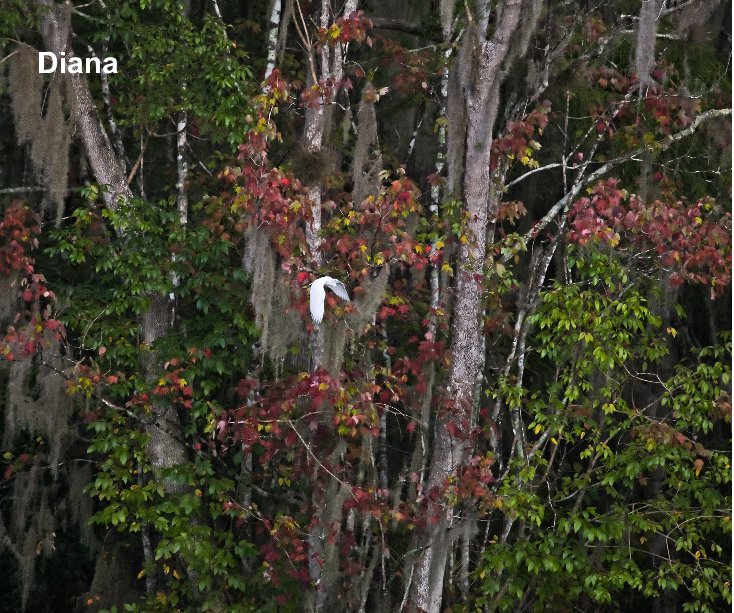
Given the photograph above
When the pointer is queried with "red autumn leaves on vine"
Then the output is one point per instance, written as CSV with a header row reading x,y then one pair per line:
x,y
352,28
365,235
518,139
19,230
691,241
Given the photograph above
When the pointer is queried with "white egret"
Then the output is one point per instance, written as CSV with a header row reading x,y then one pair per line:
x,y
318,295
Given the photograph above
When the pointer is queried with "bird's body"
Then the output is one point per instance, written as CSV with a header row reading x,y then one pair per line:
x,y
318,295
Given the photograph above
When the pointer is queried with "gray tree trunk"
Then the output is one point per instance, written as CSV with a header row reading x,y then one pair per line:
x,y
480,61
646,33
166,447
107,169
324,534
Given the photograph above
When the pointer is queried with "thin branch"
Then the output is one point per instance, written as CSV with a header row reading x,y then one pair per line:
x,y
305,41
138,162
318,462
564,202
658,35
533,171
7,57
678,7
22,190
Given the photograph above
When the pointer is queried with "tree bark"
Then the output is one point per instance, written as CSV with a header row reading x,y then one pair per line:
x,y
107,169
480,87
165,447
324,533
273,30
645,47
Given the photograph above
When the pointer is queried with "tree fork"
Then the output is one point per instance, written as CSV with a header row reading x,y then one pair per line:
x,y
481,88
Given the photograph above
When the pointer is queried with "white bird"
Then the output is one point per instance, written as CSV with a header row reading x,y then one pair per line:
x,y
318,295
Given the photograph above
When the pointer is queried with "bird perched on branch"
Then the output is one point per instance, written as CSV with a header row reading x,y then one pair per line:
x,y
318,295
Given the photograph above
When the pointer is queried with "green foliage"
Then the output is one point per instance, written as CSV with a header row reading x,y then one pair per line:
x,y
17,14
196,555
128,256
171,64
140,250
626,504
602,480
180,68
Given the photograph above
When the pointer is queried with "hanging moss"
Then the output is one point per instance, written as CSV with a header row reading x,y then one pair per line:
x,y
259,261
370,299
7,297
79,503
335,340
290,328
48,413
32,525
366,304
52,150
26,100
367,161
271,296
36,405
48,133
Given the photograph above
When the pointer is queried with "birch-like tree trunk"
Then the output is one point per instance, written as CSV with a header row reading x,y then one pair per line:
x,y
273,31
323,535
106,167
481,59
165,448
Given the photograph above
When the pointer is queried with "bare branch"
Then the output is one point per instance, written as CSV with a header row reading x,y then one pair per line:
x,y
21,190
138,162
564,202
532,172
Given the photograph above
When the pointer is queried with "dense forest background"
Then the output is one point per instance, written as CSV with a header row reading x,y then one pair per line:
x,y
525,406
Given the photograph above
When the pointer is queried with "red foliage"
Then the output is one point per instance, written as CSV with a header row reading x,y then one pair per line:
x,y
352,28
18,236
475,481
370,233
284,423
18,231
691,241
519,135
412,71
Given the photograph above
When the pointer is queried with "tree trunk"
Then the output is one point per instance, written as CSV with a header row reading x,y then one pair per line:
x,y
324,533
646,34
273,30
107,169
165,448
480,86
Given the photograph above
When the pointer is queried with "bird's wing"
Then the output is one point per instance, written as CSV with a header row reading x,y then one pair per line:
x,y
317,296
338,288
